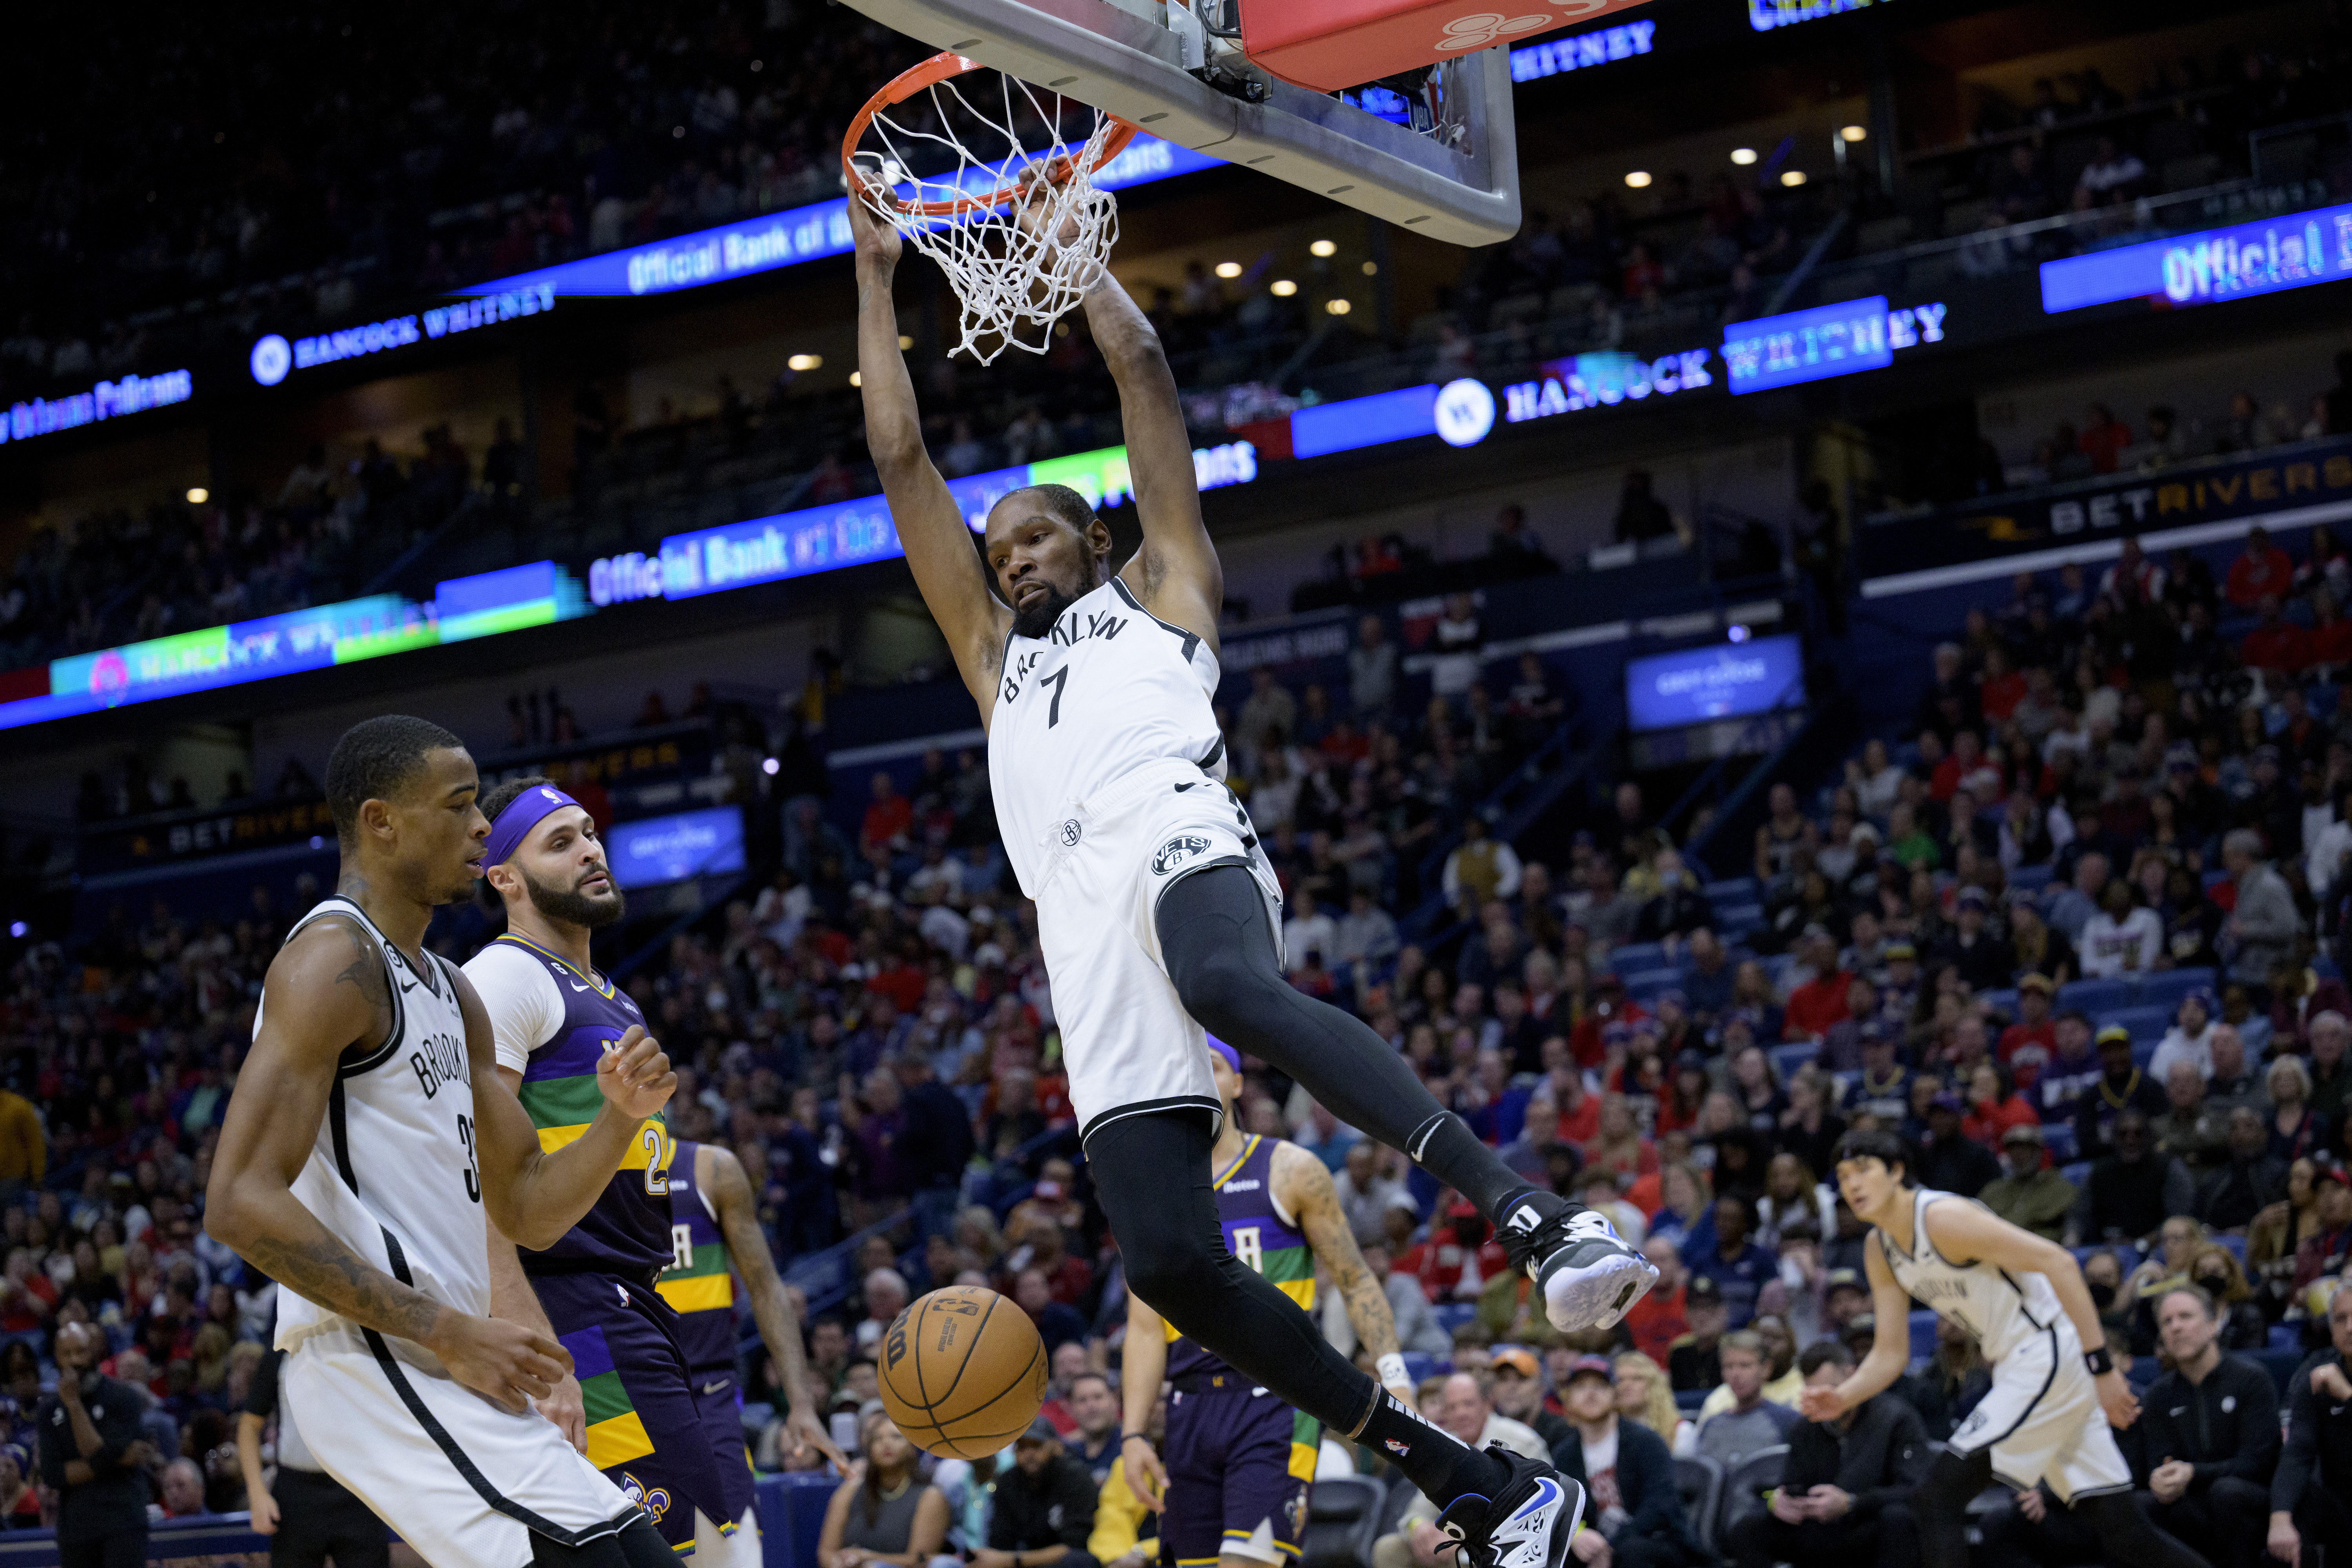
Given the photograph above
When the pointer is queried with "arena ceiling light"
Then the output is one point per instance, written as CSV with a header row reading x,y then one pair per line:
x,y
1325,247
1285,288
806,362
1793,178
198,495
1743,156
1229,268
1371,268
1338,307
1854,132
1638,178
905,343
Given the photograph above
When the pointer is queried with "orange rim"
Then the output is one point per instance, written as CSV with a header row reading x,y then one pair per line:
x,y
940,67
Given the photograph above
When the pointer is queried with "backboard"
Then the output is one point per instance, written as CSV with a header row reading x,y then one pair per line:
x,y
1135,59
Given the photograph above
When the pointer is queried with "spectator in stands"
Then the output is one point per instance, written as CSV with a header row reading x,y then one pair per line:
x,y
2325,1250
1372,669
1044,1507
2120,1086
2189,1130
2131,1190
2264,925
2213,1426
1479,869
1693,1361
2260,571
2031,1195
1633,1504
1058,1323
2190,1039
1516,1382
1738,1266
1842,1498
1752,1422
1823,1000
24,1145
1950,1161
2249,1179
2330,1072
2311,1491
2296,1130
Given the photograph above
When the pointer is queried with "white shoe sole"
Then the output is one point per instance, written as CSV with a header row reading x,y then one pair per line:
x,y
1597,1297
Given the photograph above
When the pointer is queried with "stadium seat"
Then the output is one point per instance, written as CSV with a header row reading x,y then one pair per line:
x,y
1420,1365
1630,958
1452,1315
1733,889
2058,1138
1645,985
2279,1363
1700,1481
2077,1172
1343,1520
2286,1337
1746,1483
2095,996
2145,1022
2235,1246
2004,1002
1688,1400
2030,878
1787,1059
2166,987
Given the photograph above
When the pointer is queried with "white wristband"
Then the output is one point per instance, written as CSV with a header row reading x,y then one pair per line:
x,y
1391,1370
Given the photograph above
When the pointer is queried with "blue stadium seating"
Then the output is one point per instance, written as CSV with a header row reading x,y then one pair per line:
x,y
1418,1366
1452,1315
2145,1022
1634,956
2030,879
2235,1246
2058,1138
2078,1172
2095,996
2003,1001
1787,1059
2166,987
1645,985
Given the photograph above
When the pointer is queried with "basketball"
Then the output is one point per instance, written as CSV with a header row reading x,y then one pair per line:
x,y
964,1373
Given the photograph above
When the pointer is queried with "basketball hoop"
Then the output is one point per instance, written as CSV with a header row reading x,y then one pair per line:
x,y
1020,231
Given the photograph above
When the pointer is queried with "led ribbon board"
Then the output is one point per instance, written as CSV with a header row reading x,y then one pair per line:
x,y
2209,267
317,637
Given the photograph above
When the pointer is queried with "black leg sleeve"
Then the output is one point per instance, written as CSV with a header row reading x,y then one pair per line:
x,y
1151,1173
1939,1507
1219,948
2127,1535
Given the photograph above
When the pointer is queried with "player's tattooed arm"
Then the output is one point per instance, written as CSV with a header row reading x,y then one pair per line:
x,y
1303,1182
326,991
719,1174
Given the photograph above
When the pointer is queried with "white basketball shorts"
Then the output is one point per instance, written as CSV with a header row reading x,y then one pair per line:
x,y
464,1482
2043,1421
1127,1042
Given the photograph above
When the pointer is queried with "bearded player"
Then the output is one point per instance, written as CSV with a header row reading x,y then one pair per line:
x,y
1234,1489
2051,1413
632,1408
1156,915
365,1153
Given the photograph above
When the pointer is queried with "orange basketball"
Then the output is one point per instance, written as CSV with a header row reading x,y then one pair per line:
x,y
964,1373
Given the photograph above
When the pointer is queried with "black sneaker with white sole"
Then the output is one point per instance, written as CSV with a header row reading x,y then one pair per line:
x,y
1527,1524
1589,1277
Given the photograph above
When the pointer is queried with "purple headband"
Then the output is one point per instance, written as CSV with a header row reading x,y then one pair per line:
x,y
1233,1057
521,816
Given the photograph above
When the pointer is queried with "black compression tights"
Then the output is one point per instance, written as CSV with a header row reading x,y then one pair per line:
x,y
1218,945
1151,1173
1953,1480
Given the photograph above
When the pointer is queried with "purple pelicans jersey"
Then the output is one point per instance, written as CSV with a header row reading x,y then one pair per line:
x,y
578,1016
699,1282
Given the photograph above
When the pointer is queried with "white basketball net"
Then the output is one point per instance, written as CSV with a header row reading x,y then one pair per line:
x,y
1014,276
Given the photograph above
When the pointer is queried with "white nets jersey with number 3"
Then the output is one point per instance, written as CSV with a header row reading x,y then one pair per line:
x,y
392,1172
1109,689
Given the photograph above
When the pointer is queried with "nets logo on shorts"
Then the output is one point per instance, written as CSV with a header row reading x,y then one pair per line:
x,y
1177,851
1069,833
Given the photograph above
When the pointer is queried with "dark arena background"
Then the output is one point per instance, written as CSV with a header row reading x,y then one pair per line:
x,y
1839,620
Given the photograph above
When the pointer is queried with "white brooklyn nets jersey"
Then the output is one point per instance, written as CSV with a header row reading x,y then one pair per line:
x,y
392,1172
2001,1310
1109,689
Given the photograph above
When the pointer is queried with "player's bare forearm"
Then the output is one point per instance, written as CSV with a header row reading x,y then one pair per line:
x,y
747,1244
1143,1366
292,1247
511,1297
1308,1189
248,1451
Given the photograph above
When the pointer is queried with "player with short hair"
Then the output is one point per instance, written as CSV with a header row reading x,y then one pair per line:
x,y
715,1236
633,1411
2048,1415
366,1152
1158,916
1232,1489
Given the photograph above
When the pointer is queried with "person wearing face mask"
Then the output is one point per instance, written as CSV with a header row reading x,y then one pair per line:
x,y
2215,1271
2030,1194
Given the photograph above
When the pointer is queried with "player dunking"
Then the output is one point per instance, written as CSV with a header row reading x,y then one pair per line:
x,y
633,1408
715,1235
1156,915
367,1148
2049,1413
1234,1490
